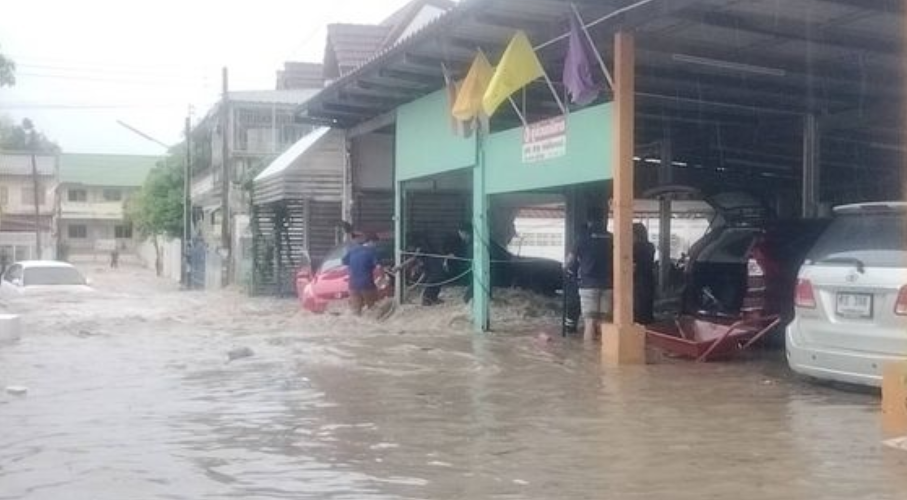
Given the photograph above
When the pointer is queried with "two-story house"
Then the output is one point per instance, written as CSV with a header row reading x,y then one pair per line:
x,y
93,191
260,125
18,185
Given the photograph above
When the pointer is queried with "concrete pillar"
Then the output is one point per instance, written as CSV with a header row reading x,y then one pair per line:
x,y
811,179
399,204
623,342
481,265
665,177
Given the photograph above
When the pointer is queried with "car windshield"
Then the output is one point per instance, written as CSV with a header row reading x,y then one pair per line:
x,y
40,276
872,239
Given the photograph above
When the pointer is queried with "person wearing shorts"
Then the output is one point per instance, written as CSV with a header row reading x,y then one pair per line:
x,y
361,260
591,261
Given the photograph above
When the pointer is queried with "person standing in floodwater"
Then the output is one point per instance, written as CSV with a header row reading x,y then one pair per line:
x,y
591,261
361,259
115,258
459,251
643,276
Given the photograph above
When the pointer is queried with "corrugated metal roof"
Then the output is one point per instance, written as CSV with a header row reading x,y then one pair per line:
x,y
106,170
292,154
312,169
20,164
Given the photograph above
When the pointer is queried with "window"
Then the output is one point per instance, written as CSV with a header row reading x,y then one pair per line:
x,y
873,239
78,231
77,195
123,231
28,195
113,195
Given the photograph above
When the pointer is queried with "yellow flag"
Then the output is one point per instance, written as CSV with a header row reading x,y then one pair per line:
x,y
519,65
469,98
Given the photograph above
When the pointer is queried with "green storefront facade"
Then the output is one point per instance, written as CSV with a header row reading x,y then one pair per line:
x,y
572,149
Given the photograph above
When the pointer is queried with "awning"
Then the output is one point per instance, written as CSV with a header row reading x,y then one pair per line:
x,y
312,168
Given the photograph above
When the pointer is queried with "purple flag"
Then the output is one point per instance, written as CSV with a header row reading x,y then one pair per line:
x,y
577,69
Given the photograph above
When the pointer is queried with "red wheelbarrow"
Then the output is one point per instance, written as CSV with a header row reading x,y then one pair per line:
x,y
709,339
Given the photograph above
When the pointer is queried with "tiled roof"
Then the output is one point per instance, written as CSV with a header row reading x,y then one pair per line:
x,y
353,44
400,20
106,170
300,75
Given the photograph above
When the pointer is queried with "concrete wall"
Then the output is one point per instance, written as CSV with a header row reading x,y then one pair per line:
x,y
373,161
171,256
21,245
426,144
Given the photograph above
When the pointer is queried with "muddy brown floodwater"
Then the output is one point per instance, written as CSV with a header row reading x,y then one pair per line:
x,y
130,396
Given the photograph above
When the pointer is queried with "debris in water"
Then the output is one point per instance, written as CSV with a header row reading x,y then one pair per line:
x,y
543,338
520,482
897,443
239,353
17,390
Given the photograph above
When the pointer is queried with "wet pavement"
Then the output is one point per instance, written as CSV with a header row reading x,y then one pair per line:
x,y
131,395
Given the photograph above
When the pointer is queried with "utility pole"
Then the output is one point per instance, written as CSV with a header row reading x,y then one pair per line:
x,y
225,181
36,185
187,207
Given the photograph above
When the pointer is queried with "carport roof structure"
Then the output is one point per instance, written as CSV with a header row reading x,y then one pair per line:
x,y
698,61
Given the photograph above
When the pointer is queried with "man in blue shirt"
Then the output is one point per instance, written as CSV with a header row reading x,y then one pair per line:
x,y
361,259
591,262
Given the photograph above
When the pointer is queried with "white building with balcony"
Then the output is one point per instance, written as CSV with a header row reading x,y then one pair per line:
x,y
18,240
93,191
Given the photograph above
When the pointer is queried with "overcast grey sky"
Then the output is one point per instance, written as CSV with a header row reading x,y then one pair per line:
x,y
84,64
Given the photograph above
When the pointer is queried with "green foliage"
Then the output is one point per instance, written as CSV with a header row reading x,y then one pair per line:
x,y
7,71
15,137
157,209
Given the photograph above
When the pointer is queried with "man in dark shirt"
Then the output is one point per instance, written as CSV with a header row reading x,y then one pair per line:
x,y
591,261
361,259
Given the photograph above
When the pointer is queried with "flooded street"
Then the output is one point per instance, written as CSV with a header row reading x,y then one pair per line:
x,y
131,395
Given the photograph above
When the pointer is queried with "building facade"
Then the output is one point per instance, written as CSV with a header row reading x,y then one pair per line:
x,y
18,221
92,193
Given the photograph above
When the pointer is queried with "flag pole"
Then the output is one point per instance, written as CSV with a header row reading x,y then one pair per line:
x,y
517,110
557,98
598,56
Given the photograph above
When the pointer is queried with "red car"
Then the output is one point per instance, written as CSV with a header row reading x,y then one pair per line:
x,y
330,282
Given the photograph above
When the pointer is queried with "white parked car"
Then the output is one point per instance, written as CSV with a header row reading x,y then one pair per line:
x,y
851,298
42,276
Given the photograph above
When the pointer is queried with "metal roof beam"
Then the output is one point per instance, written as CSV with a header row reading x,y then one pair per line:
x,y
774,26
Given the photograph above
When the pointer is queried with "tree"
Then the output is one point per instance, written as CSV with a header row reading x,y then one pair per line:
x,y
156,211
7,71
15,137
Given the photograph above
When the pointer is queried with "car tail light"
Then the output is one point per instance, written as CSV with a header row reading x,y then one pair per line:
x,y
900,307
805,297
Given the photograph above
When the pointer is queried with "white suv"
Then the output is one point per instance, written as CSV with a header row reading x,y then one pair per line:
x,y
851,297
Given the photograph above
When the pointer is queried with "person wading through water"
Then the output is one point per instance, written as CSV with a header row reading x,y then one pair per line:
x,y
361,259
591,262
643,276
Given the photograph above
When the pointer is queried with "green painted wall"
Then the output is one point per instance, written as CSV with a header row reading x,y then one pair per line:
x,y
426,144
588,156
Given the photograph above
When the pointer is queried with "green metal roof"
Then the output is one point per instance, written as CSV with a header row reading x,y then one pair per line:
x,y
106,170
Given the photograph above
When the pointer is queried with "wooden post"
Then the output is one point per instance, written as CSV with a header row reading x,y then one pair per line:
x,y
481,239
623,342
